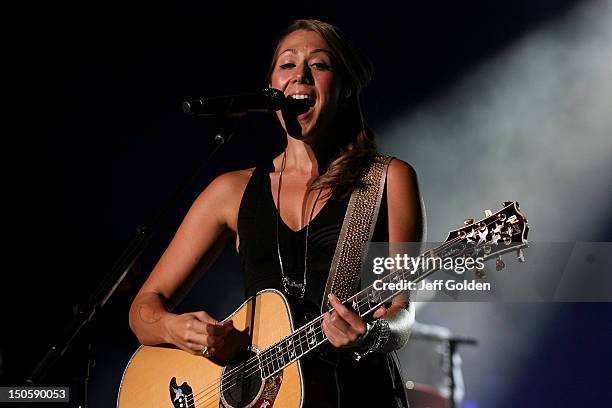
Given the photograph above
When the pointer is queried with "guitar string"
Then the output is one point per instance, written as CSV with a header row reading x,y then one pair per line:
x,y
291,358
269,361
269,358
209,396
317,331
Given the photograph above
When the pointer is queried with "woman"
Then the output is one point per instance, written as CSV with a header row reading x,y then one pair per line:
x,y
286,216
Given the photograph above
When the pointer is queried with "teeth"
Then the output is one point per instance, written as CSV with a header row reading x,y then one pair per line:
x,y
300,96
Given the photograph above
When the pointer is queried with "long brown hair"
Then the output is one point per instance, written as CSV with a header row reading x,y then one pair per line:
x,y
355,145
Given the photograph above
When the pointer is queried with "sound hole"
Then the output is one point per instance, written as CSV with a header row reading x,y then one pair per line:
x,y
242,382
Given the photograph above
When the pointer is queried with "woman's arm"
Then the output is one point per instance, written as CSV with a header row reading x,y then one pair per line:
x,y
406,225
207,227
343,327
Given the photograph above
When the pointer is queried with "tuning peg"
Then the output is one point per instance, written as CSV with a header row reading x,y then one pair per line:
x,y
519,255
468,221
499,264
488,213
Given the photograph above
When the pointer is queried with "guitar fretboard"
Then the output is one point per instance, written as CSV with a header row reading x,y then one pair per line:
x,y
310,336
280,355
497,234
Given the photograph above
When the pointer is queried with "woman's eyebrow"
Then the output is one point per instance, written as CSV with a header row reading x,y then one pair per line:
x,y
318,50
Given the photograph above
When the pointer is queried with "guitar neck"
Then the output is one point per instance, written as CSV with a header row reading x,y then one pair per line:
x,y
498,233
311,335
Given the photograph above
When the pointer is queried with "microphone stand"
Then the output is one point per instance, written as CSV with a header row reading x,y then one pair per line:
x,y
84,314
452,344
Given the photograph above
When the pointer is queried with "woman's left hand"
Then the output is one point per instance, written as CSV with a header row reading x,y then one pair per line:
x,y
343,327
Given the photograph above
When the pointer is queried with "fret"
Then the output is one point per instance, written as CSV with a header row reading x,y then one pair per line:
x,y
286,352
264,364
291,348
355,305
363,301
376,298
280,354
372,299
417,273
320,336
274,360
299,342
311,337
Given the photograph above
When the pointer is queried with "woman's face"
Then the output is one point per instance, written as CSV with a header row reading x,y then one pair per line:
x,y
305,69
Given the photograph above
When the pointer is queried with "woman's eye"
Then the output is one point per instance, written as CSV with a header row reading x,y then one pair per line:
x,y
320,65
287,65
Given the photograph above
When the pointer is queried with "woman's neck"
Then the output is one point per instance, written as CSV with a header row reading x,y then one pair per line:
x,y
306,158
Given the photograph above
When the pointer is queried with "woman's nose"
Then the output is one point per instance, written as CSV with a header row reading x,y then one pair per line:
x,y
303,75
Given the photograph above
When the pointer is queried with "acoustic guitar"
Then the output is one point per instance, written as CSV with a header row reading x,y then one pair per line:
x,y
260,364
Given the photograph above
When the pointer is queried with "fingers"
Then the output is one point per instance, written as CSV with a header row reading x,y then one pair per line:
x,y
341,326
196,348
205,324
380,312
219,329
349,316
336,321
194,331
334,335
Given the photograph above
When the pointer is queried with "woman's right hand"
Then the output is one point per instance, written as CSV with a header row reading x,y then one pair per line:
x,y
194,331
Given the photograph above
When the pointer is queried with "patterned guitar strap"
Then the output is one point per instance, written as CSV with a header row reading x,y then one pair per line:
x,y
357,229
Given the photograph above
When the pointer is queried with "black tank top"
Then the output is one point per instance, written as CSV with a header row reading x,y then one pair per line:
x,y
257,220
326,370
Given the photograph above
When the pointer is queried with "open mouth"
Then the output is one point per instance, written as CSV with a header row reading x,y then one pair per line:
x,y
299,104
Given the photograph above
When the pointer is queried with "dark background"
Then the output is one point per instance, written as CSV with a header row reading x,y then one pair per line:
x,y
99,145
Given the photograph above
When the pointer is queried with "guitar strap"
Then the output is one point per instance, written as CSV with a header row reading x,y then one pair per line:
x,y
357,229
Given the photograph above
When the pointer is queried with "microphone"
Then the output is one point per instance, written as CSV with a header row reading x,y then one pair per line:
x,y
266,100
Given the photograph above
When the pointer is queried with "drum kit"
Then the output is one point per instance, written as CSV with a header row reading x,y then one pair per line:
x,y
434,376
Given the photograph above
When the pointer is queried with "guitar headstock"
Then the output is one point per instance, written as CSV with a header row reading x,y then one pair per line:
x,y
498,233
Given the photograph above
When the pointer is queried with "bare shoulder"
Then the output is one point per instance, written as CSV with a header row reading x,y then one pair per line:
x,y
223,195
406,211
232,182
401,174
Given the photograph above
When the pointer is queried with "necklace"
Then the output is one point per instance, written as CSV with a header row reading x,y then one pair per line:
x,y
287,282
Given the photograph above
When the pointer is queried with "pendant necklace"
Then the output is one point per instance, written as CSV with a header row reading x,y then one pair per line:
x,y
287,282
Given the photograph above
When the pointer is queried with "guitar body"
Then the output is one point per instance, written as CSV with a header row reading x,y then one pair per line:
x,y
166,377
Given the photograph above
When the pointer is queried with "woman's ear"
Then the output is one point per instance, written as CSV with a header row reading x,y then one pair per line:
x,y
346,96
